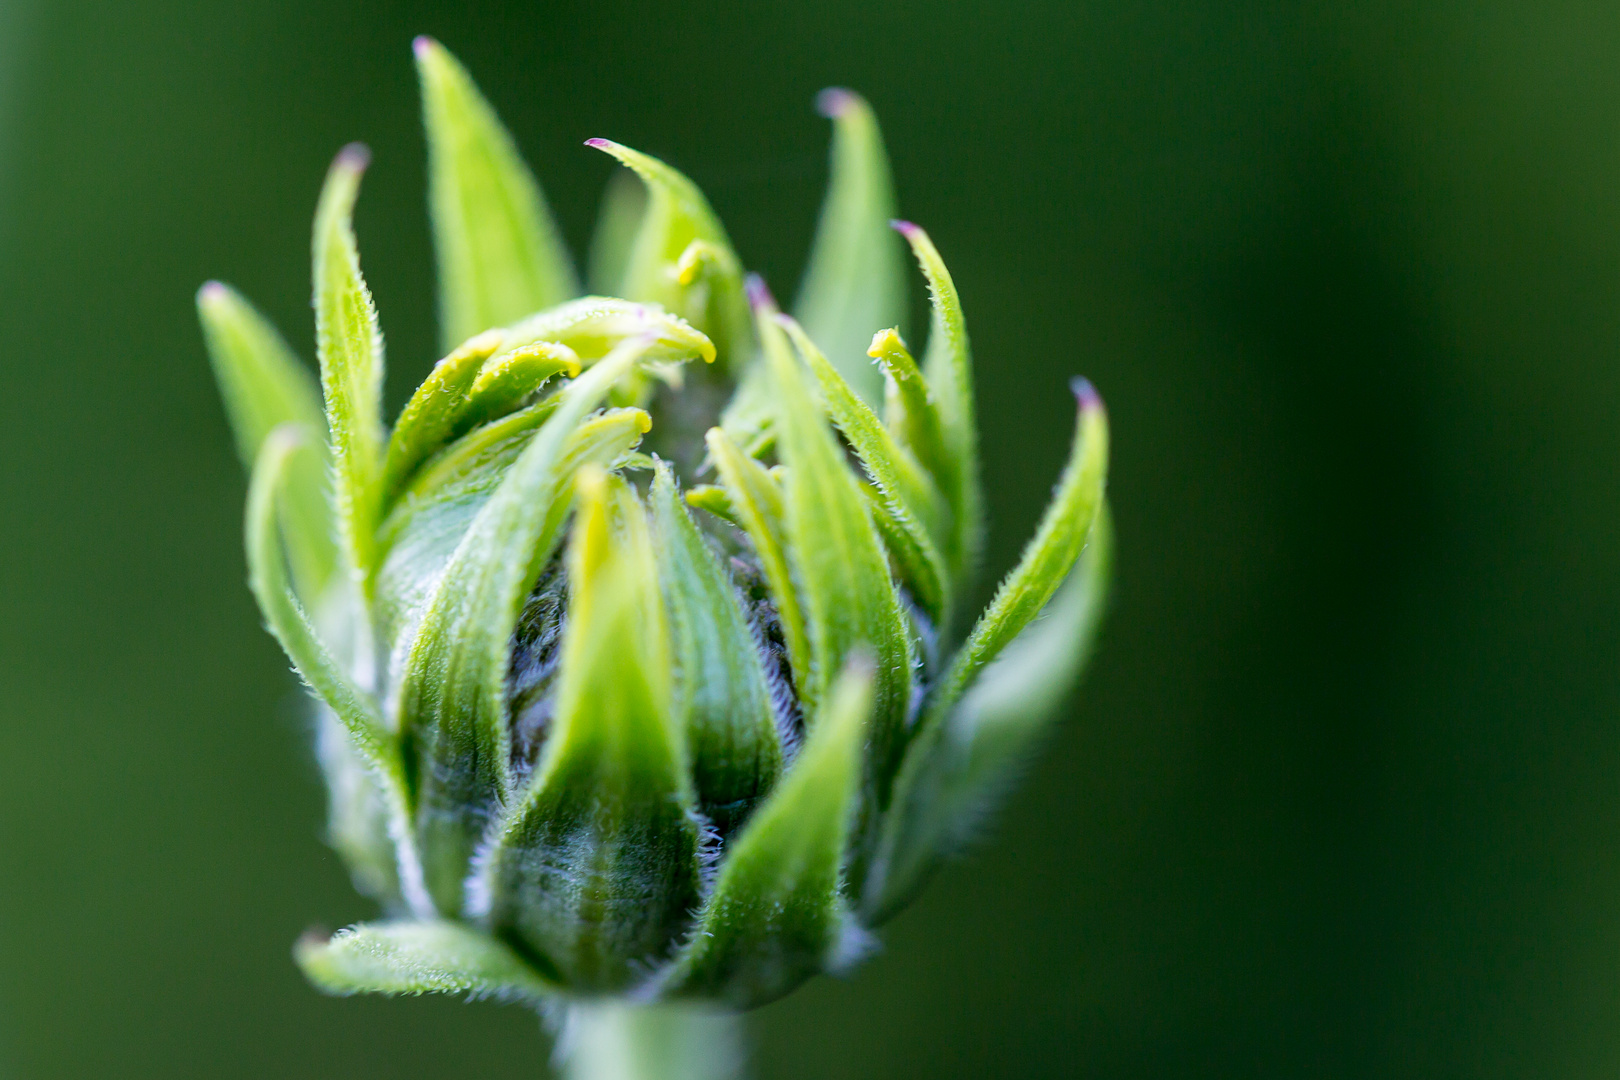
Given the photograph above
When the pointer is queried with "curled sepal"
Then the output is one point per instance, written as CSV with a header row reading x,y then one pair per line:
x,y
777,914
722,698
908,495
348,344
838,559
682,258
596,869
855,281
351,707
429,956
264,386
956,771
948,368
1047,557
909,410
505,382
452,696
500,254
593,326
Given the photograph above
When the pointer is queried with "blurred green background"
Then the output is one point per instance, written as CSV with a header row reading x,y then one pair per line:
x,y
1341,797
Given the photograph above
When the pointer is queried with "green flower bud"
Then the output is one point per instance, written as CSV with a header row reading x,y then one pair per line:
x,y
638,640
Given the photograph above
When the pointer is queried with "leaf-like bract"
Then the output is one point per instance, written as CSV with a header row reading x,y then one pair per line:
x,y
418,957
453,692
500,254
855,281
956,770
349,346
777,915
948,368
721,692
682,258
596,868
264,386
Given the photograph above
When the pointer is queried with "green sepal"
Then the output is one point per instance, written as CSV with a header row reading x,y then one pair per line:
x,y
583,330
755,500
956,771
428,956
1047,558
777,914
351,706
948,369
909,411
624,202
500,254
593,326
431,518
722,698
452,697
908,495
855,280
596,868
838,560
264,386
713,499
506,381
682,258
349,346
359,825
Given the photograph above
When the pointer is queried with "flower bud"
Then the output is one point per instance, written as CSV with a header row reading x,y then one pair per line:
x,y
638,640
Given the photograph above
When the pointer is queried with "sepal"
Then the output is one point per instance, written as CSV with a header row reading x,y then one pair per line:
x,y
682,258
350,350
452,696
855,279
956,771
777,914
418,957
596,868
500,253
264,386
722,696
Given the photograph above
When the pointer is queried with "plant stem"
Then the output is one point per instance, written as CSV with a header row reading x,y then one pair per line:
x,y
612,1040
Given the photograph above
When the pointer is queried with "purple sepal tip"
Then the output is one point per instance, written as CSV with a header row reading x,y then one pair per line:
x,y
357,155
759,294
904,228
1085,393
835,101
598,144
421,45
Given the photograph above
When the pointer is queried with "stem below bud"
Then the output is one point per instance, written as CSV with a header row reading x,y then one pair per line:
x,y
615,1040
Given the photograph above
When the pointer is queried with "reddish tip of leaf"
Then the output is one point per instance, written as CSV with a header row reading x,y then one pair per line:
x,y
835,101
421,45
904,228
598,144
211,292
759,294
1085,393
356,156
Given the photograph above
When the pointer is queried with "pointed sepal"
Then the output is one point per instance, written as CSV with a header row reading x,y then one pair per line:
x,y
682,258
596,869
855,281
264,386
452,697
348,344
948,369
723,699
500,254
777,914
418,957
955,772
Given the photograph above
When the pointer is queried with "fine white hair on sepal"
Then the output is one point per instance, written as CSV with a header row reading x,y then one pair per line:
x,y
850,946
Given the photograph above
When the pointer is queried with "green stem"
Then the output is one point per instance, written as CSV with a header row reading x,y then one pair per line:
x,y
612,1040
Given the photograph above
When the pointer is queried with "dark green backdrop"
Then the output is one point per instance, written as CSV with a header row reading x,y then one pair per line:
x,y
1341,797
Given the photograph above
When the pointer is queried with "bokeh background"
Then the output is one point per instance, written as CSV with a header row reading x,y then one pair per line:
x,y
1341,796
